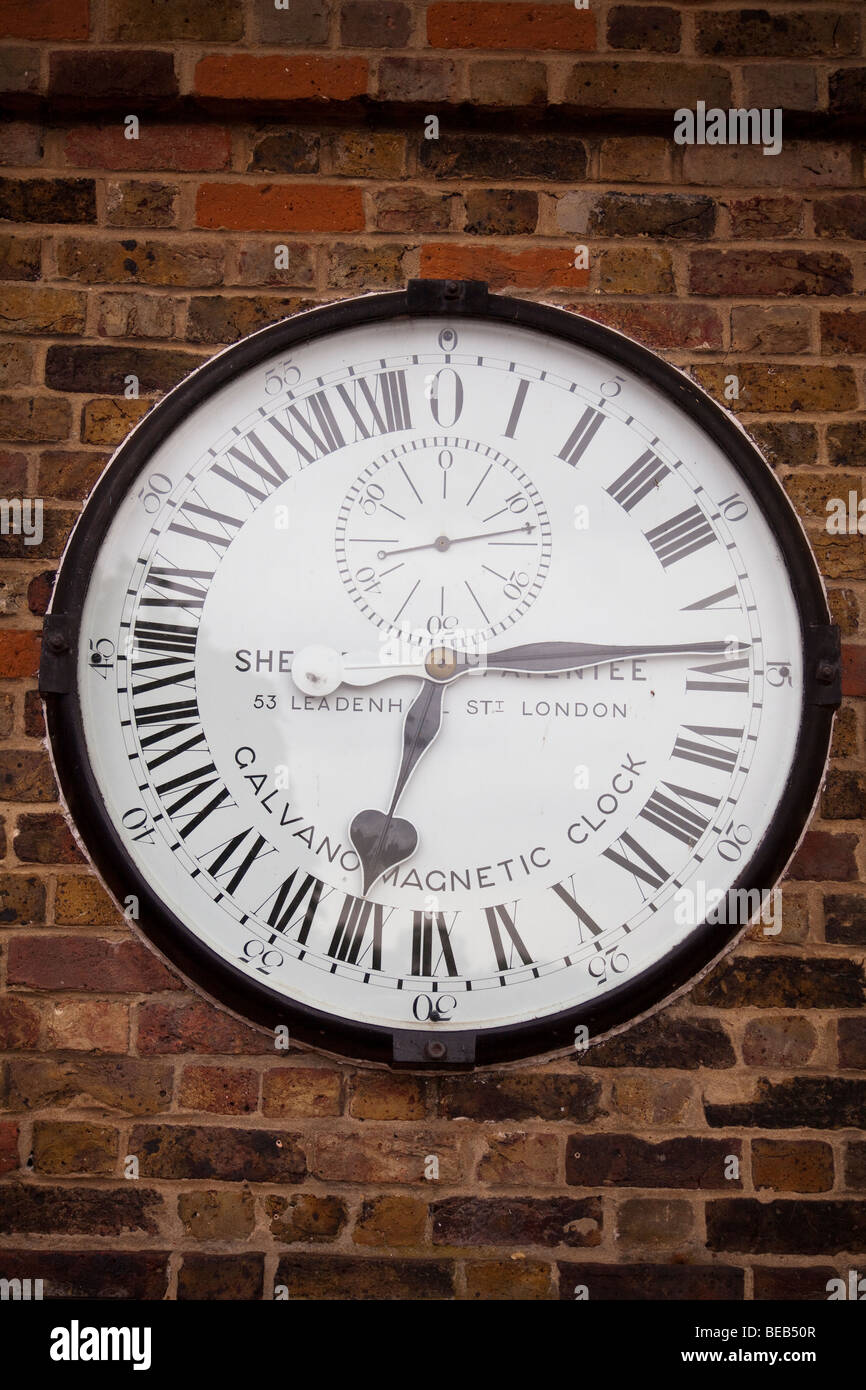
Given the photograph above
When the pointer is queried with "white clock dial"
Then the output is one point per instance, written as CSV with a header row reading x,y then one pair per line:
x,y
550,689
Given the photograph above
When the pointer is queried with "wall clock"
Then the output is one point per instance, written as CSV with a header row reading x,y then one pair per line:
x,y
419,659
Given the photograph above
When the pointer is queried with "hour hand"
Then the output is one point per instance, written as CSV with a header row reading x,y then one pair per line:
x,y
382,839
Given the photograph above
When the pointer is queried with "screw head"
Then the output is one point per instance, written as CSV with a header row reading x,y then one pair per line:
x,y
826,672
436,1050
452,289
56,642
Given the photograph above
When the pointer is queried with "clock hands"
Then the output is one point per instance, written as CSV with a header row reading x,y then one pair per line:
x,y
443,543
382,839
319,670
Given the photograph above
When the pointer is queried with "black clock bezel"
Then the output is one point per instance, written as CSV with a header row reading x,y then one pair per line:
x,y
435,1046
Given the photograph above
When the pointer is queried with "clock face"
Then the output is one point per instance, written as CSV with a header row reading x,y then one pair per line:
x,y
433,676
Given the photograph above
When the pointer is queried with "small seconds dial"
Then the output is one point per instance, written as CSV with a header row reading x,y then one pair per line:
x,y
443,534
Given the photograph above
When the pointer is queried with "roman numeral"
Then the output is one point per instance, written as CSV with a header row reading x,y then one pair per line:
x,y
175,587
677,818
581,436
569,898
287,900
201,782
382,409
727,683
638,480
222,863
175,640
716,601
706,748
682,535
221,539
160,741
347,943
519,398
315,418
424,925
169,646
500,916
649,869
184,710
270,472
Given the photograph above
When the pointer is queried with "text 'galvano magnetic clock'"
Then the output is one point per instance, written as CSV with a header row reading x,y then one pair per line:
x,y
417,658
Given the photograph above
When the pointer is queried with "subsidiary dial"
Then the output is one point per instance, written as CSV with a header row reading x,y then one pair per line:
x,y
443,534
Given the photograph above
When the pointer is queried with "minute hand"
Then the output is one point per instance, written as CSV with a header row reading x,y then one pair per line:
x,y
540,657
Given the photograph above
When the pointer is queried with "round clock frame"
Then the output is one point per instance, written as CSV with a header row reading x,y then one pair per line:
x,y
432,1046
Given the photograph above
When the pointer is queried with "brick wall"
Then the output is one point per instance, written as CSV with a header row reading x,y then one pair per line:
x,y
117,256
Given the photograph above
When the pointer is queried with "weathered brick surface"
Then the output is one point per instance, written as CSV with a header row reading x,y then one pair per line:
x,y
304,128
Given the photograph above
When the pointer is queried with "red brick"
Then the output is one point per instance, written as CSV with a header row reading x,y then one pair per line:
x,y
280,207
476,24
689,327
39,592
194,1026
761,273
19,1024
86,962
35,420
823,855
19,653
69,474
853,670
538,268
159,146
44,19
242,76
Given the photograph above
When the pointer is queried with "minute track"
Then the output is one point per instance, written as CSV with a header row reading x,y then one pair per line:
x,y
510,819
